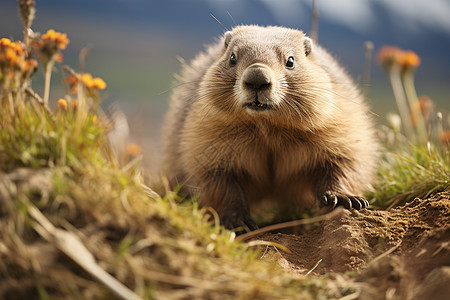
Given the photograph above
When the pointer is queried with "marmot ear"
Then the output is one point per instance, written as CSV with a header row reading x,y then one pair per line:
x,y
228,35
307,43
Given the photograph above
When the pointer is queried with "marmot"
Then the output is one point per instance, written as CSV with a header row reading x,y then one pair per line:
x,y
265,112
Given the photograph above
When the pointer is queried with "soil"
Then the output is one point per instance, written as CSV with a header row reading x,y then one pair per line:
x,y
403,253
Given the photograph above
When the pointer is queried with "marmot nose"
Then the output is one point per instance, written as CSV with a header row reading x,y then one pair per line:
x,y
257,78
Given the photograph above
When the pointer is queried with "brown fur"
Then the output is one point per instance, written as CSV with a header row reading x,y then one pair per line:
x,y
317,139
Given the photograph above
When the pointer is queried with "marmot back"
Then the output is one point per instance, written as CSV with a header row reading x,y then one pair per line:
x,y
263,113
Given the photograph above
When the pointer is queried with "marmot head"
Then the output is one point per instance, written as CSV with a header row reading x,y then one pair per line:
x,y
270,73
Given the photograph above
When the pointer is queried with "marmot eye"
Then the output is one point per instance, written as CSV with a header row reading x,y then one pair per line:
x,y
232,60
290,62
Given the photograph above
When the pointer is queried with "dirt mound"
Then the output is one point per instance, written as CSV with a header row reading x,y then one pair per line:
x,y
403,253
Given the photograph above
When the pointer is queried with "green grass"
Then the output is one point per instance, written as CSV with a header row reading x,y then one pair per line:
x,y
407,174
149,243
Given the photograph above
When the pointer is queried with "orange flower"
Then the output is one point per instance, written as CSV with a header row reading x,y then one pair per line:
x,y
389,54
5,42
59,58
71,79
62,103
59,38
30,64
133,149
11,53
89,82
410,59
11,56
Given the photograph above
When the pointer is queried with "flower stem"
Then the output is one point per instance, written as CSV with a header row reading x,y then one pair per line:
x,y
48,76
408,83
368,49
396,83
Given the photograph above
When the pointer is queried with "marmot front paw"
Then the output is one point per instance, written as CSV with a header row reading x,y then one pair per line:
x,y
347,201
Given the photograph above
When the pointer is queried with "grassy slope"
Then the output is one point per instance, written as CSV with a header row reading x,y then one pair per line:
x,y
158,249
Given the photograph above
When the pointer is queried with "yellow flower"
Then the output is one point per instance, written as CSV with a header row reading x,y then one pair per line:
x,y
11,56
58,37
62,103
86,78
88,81
98,83
5,42
11,53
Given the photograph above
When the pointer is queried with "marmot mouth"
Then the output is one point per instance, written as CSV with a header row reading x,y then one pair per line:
x,y
258,106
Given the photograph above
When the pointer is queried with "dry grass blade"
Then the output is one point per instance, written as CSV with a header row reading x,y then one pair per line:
x,y
267,243
290,224
70,245
315,266
386,253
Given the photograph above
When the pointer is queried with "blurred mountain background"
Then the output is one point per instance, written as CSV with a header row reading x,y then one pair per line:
x,y
134,44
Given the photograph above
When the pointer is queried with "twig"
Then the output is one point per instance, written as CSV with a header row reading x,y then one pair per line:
x,y
289,224
386,253
38,99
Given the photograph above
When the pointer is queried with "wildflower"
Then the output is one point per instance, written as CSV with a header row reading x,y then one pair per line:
x,y
59,39
49,46
94,120
5,42
62,103
98,83
11,56
71,79
30,64
409,59
133,149
87,80
59,58
11,53
389,55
